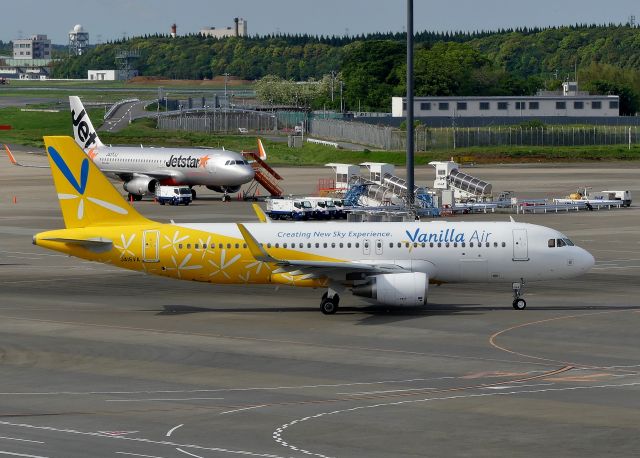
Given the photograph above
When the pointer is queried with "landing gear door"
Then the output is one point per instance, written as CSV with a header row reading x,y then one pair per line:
x,y
150,246
520,246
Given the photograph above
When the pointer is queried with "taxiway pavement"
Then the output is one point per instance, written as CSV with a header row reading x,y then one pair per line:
x,y
101,362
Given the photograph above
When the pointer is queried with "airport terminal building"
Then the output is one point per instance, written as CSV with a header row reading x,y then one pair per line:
x,y
569,102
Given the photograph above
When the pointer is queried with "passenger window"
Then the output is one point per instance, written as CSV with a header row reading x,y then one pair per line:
x,y
228,246
446,245
268,245
357,244
488,245
180,246
244,245
455,244
464,244
504,244
204,246
439,244
221,246
431,245
349,245
423,244
277,245
399,244
325,245
317,245
308,245
196,246
471,244
284,245
333,245
237,246
188,246
391,245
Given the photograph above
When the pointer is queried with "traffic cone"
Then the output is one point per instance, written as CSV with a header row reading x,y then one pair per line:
x,y
15,200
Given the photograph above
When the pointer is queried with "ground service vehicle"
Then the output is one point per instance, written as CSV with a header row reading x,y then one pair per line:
x,y
296,209
173,195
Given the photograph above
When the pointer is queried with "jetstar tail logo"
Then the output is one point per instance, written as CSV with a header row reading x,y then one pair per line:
x,y
84,134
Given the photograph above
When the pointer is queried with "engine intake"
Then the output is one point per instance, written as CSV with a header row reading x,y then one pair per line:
x,y
409,289
140,185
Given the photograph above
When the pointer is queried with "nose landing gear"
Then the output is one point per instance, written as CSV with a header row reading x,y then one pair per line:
x,y
518,288
329,302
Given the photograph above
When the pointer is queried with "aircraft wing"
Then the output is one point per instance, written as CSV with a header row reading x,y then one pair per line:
x,y
313,269
126,175
15,162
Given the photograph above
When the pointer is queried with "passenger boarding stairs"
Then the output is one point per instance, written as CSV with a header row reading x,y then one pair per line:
x,y
363,192
264,176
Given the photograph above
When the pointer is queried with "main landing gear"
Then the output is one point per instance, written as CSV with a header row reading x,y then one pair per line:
x,y
329,302
193,194
518,302
134,197
226,197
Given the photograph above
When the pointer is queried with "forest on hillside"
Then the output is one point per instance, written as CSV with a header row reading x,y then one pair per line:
x,y
372,67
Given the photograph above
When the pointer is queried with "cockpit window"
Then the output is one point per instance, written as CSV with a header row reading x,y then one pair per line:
x,y
568,242
560,242
552,243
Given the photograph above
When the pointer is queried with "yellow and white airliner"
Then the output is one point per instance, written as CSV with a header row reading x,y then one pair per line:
x,y
386,263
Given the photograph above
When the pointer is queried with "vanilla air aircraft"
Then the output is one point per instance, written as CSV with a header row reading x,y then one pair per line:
x,y
386,263
141,169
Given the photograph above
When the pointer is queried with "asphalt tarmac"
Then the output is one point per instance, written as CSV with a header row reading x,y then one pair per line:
x,y
101,362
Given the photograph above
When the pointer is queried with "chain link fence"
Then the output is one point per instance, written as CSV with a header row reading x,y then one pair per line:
x,y
220,121
389,138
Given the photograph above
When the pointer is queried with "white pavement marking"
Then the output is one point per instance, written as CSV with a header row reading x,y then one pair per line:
x,y
359,393
137,454
187,453
277,434
170,432
161,399
20,440
244,408
298,387
506,387
135,439
22,454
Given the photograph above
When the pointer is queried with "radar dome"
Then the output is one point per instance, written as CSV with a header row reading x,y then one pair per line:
x,y
78,28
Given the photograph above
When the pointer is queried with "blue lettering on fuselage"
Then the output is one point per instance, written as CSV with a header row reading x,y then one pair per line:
x,y
444,235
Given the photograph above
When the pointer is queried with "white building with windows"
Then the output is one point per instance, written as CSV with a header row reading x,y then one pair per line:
x,y
36,47
569,102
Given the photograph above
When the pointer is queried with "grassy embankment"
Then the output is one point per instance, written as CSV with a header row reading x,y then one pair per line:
x,y
29,127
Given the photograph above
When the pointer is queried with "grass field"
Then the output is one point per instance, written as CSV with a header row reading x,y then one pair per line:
x,y
29,127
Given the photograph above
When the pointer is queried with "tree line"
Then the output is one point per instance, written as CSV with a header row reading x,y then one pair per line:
x,y
372,67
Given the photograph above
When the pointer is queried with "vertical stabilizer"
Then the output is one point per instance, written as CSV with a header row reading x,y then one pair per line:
x,y
83,131
86,197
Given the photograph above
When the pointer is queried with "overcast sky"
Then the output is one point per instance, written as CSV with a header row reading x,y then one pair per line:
x,y
110,19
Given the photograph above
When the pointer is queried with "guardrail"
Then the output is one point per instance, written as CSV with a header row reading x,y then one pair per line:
x,y
323,142
117,105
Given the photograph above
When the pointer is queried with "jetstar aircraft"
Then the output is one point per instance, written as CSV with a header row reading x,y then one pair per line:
x,y
141,169
386,263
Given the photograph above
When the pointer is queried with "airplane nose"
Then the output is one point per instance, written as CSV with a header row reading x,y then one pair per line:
x,y
587,261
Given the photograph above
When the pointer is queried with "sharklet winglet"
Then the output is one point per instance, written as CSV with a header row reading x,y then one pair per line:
x,y
262,217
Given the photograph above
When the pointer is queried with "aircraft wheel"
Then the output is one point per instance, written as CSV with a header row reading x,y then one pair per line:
x,y
329,306
162,202
519,304
193,194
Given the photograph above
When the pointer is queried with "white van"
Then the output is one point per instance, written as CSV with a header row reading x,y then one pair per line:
x,y
173,195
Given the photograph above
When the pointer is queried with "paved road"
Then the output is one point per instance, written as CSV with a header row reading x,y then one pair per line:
x,y
101,362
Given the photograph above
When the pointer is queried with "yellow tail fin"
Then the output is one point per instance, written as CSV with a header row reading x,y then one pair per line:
x,y
86,197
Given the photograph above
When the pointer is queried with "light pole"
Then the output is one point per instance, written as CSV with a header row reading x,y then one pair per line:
x,y
410,139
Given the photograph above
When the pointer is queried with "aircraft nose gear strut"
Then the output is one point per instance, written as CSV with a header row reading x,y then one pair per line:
x,y
518,302
329,302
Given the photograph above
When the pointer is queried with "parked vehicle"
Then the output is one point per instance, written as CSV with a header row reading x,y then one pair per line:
x,y
173,195
296,209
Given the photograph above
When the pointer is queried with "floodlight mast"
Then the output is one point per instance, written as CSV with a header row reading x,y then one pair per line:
x,y
410,135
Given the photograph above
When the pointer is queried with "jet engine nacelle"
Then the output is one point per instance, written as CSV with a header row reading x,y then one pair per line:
x,y
225,189
140,185
409,289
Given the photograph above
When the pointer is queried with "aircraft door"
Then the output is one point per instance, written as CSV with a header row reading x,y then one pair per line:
x,y
366,247
520,246
150,246
379,246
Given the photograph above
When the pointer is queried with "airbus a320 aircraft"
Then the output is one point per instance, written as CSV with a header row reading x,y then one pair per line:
x,y
141,169
386,263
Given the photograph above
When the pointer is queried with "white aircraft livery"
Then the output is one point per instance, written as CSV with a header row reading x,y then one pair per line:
x,y
385,263
141,169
